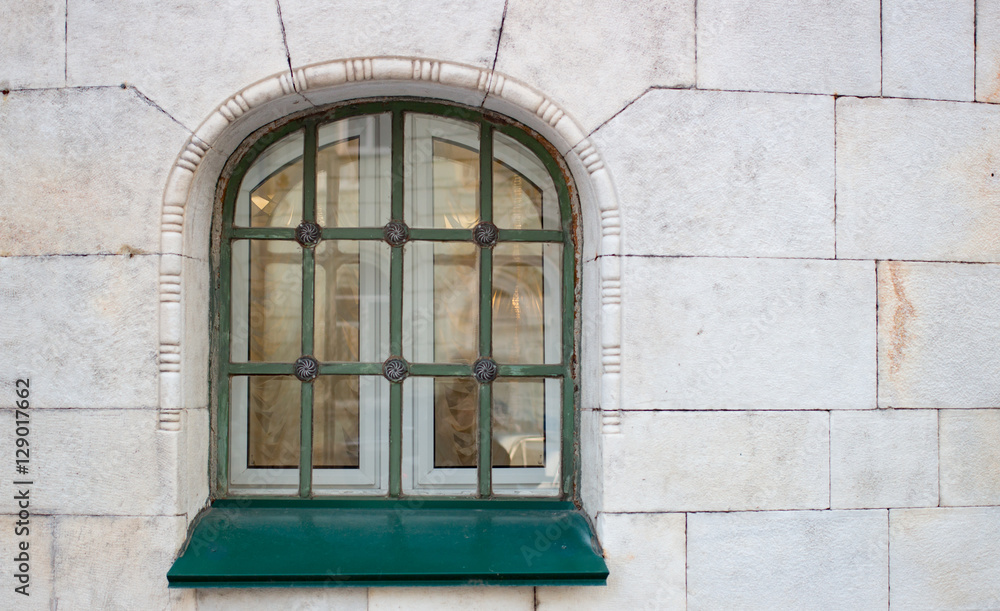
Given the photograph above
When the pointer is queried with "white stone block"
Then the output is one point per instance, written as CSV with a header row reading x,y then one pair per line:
x,y
114,562
945,558
32,49
192,461
93,461
592,58
83,171
463,31
724,173
288,599
82,329
928,49
788,560
645,554
718,461
988,50
938,335
188,57
39,555
883,458
917,180
802,46
747,334
591,441
970,457
433,599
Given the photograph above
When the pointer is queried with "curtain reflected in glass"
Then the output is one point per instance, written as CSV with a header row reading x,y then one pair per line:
x,y
524,196
336,422
337,309
526,302
353,182
456,422
441,302
519,423
266,301
273,424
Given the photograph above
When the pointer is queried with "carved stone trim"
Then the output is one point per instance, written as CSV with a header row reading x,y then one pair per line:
x,y
317,77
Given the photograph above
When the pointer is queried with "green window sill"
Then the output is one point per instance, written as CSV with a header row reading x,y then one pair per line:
x,y
282,543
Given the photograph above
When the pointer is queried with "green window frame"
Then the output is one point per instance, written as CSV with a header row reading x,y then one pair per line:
x,y
488,125
261,520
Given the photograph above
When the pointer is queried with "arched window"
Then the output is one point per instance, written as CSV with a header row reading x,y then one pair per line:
x,y
396,309
394,358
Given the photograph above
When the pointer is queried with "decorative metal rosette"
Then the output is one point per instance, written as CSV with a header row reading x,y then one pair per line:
x,y
485,371
485,234
306,369
396,233
395,370
308,234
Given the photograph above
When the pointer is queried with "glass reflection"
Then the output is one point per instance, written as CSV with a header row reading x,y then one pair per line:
x,y
441,302
441,173
456,422
266,301
337,310
273,432
519,423
336,422
524,196
526,298
353,182
271,192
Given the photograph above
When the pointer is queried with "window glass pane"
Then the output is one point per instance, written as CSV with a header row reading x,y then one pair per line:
x,y
352,301
456,422
336,422
527,287
266,306
264,434
441,172
524,196
526,436
350,435
440,436
440,302
271,192
353,179
519,423
273,422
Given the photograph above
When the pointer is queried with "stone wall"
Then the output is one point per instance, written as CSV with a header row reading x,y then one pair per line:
x,y
808,196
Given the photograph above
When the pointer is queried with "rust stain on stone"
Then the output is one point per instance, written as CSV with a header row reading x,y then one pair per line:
x,y
130,251
902,315
994,95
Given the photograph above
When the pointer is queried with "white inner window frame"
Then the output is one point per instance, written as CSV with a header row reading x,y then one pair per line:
x,y
419,476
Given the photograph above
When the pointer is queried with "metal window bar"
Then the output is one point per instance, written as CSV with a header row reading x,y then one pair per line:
x,y
221,305
485,462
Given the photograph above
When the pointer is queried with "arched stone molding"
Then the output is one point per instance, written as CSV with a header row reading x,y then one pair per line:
x,y
192,182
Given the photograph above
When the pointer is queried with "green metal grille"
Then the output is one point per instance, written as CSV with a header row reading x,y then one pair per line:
x,y
226,369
